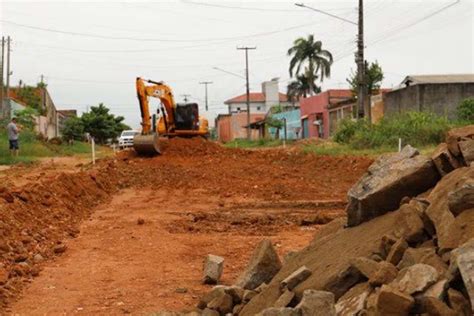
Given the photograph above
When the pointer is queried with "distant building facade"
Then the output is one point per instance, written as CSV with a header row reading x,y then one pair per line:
x,y
260,102
440,94
234,126
315,112
293,125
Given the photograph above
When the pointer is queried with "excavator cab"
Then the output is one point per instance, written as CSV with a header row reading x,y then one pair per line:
x,y
181,120
187,116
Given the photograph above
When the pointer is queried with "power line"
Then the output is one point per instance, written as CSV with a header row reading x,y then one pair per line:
x,y
109,37
418,21
207,4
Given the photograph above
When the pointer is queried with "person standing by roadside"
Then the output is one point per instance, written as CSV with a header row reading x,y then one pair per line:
x,y
13,132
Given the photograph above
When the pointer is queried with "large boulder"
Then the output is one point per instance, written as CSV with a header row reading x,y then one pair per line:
x,y
353,302
467,151
390,301
426,255
315,303
213,266
263,266
462,260
462,198
451,231
415,279
456,135
295,278
444,160
387,181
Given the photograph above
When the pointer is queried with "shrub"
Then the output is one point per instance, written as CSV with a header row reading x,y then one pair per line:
x,y
465,110
415,128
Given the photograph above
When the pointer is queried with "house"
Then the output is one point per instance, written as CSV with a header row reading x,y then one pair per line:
x,y
347,108
440,94
290,119
234,126
315,114
47,123
260,102
63,116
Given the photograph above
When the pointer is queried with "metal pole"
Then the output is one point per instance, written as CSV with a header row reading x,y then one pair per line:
x,y
362,93
248,86
8,66
205,83
1,80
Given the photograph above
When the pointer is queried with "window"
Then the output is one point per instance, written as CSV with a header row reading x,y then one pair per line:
x,y
238,109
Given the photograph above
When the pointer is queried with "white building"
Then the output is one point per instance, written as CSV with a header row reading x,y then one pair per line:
x,y
260,102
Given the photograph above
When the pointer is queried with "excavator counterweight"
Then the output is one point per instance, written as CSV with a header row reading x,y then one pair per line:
x,y
174,120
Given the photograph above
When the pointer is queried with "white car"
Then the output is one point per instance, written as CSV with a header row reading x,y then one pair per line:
x,y
126,138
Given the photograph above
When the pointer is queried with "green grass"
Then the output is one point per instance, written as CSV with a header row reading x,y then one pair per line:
x,y
416,128
32,149
243,143
336,149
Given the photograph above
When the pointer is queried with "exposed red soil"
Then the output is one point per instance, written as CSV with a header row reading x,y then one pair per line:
x,y
196,198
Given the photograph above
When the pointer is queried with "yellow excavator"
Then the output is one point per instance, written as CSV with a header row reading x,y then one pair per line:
x,y
171,119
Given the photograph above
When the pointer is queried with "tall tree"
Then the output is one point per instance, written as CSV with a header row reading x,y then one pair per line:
x,y
301,87
101,124
374,75
308,53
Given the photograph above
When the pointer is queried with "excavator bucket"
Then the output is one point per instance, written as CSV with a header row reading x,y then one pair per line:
x,y
147,145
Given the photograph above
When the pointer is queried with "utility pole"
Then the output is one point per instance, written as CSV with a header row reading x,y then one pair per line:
x,y
185,96
8,66
246,48
362,107
362,104
1,79
206,83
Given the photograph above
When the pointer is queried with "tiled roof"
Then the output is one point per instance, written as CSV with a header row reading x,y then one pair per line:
x,y
433,79
254,97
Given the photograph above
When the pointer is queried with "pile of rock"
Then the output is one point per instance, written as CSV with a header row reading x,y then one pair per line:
x,y
406,247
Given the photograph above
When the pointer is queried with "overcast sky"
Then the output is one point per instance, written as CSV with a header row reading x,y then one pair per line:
x,y
91,51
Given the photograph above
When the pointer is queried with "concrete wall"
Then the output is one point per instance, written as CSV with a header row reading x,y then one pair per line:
x,y
315,108
441,99
293,124
272,95
230,127
255,107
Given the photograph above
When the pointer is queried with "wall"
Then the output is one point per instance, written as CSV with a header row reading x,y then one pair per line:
x,y
441,99
313,108
293,124
230,127
255,107
340,113
272,95
377,106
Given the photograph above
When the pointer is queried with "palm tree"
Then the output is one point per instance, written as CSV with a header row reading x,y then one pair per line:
x,y
301,87
310,52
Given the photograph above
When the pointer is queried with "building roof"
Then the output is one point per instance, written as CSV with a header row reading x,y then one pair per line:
x,y
67,112
254,97
438,79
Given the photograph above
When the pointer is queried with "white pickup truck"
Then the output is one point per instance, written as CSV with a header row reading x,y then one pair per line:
x,y
126,138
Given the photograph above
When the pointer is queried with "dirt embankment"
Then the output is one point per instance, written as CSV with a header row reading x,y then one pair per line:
x,y
37,217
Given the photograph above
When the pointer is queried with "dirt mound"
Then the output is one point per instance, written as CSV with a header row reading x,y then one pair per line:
x,y
188,147
264,222
36,218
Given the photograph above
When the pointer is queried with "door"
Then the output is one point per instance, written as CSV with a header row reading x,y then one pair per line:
x,y
305,128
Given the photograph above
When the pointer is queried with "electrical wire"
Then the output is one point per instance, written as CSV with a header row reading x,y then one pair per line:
x,y
109,37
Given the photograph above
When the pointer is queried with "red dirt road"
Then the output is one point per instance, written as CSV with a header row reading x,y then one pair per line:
x,y
118,266
195,200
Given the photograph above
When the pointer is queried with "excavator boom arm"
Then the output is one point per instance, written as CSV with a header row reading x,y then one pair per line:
x,y
156,90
